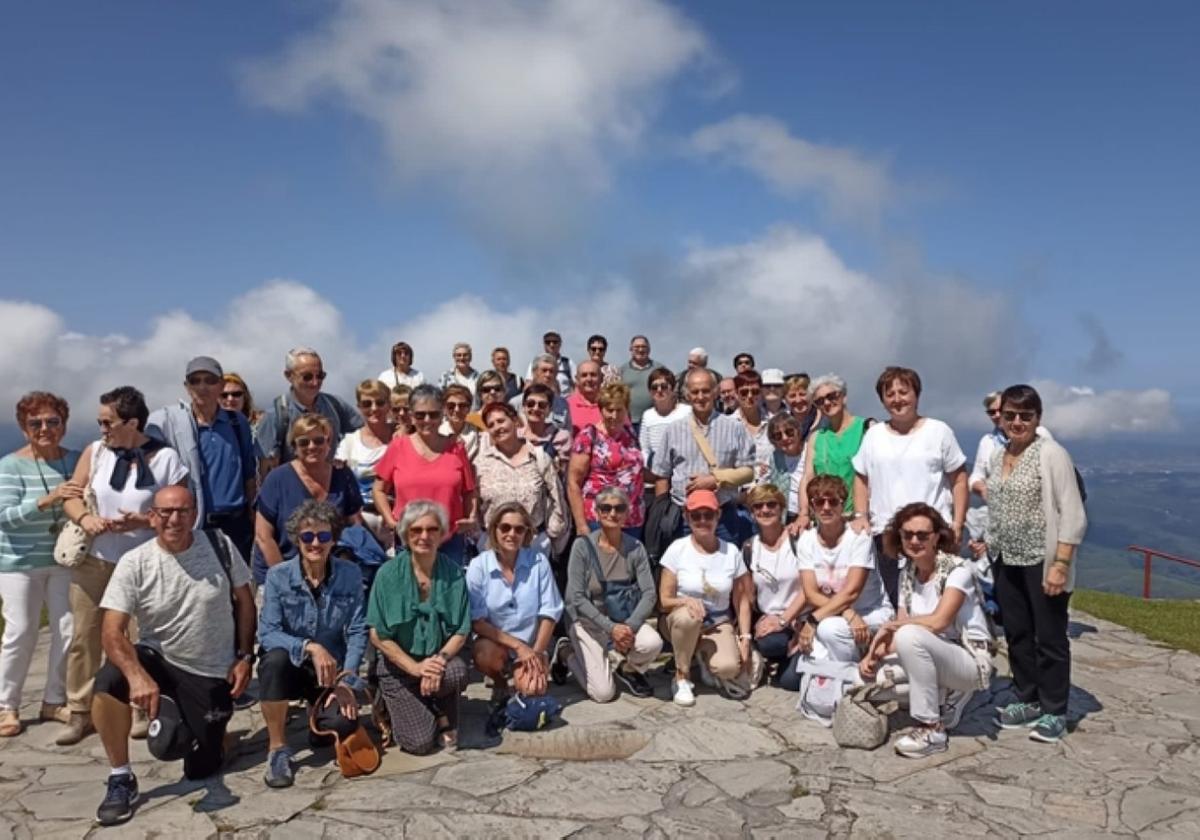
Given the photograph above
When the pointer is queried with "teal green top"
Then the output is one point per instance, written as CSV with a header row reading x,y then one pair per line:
x,y
832,453
27,535
421,628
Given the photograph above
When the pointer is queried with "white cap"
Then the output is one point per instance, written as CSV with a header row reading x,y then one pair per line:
x,y
772,376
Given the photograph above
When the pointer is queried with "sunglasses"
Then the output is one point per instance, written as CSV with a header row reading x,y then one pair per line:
x,y
915,536
309,537
661,386
826,398
422,530
749,392
426,415
202,380
537,405
992,412
372,404
784,434
702,515
766,505
319,376
554,341
455,405
168,512
597,348
1026,416
306,442
826,502
232,395
36,423
611,508
509,528
491,389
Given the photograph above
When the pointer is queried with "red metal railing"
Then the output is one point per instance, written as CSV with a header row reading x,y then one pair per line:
x,y
1148,555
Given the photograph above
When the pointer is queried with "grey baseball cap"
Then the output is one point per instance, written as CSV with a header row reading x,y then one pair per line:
x,y
204,364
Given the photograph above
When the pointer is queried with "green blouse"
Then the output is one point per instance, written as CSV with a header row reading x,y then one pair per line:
x,y
397,613
832,454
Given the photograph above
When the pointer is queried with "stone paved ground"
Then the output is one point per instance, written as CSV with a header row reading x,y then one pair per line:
x,y
721,769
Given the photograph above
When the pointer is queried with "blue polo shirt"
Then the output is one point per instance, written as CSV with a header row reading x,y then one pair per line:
x,y
515,609
228,463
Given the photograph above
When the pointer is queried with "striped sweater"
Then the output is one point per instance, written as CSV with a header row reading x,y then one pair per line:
x,y
25,538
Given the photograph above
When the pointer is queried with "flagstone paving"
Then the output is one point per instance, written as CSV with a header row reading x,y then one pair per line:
x,y
645,768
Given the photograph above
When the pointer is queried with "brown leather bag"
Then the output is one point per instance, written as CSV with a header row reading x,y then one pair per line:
x,y
357,754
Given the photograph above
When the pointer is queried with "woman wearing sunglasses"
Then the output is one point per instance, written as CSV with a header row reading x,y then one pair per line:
x,y
490,389
34,482
606,454
537,428
361,450
666,410
236,396
311,475
1036,522
830,450
311,628
419,617
456,406
429,465
785,468
775,570
939,638
515,604
705,593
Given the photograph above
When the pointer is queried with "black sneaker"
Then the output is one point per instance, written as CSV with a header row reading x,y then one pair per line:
x,y
559,671
244,700
634,683
119,801
497,719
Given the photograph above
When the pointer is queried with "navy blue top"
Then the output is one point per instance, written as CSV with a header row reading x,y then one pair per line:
x,y
228,463
283,491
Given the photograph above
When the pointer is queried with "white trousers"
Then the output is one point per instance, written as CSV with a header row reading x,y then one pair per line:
x,y
23,594
834,632
933,663
590,663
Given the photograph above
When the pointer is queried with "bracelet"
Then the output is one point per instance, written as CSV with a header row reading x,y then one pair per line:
x,y
858,514
744,636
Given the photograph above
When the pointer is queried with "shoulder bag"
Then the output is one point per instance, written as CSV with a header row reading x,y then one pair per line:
x,y
860,720
74,543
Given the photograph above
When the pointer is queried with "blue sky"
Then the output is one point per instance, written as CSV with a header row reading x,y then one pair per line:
x,y
1044,153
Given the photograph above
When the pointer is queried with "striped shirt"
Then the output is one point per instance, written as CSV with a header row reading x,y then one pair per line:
x,y
678,456
25,538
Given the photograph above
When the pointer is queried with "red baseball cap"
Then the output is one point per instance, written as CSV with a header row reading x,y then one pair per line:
x,y
701,500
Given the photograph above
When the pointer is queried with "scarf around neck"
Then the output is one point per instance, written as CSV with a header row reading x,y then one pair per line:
x,y
126,456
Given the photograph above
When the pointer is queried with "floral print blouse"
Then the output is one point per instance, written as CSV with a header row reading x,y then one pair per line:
x,y
615,460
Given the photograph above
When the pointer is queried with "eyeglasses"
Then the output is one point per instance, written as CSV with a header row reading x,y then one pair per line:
x,y
915,536
491,389
372,404
36,423
770,504
509,528
425,415
536,405
455,405
555,341
661,386
826,398
826,501
611,508
309,537
992,412
784,434
306,442
168,512
108,424
319,376
702,515
202,380
232,395
422,530
699,392
1026,416
597,348
749,392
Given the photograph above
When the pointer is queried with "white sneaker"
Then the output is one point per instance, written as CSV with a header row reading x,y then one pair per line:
x,y
922,741
682,691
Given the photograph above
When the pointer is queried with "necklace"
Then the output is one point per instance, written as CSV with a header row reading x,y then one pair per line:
x,y
56,525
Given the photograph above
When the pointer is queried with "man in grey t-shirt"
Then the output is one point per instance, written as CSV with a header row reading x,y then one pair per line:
x,y
195,618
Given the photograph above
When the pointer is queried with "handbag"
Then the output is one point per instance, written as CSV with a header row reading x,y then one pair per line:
x,y
620,597
529,714
73,543
861,718
357,755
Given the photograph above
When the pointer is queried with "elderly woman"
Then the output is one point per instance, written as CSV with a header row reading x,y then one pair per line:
x,y
513,384
940,638
402,372
666,410
429,465
841,583
1036,522
907,459
456,405
124,469
490,389
462,373
537,428
401,410
419,617
363,449
310,475
609,597
830,450
311,627
797,393
236,396
511,470
606,454
514,607
704,588
775,572
785,467
34,483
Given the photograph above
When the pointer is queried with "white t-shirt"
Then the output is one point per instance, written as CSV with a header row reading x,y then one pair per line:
x,y
708,577
181,602
776,575
832,565
167,469
970,618
654,424
361,459
901,469
412,379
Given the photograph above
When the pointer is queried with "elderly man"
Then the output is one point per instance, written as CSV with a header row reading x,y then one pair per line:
x,y
564,373
193,653
544,371
706,451
582,403
305,375
462,373
697,360
727,396
636,374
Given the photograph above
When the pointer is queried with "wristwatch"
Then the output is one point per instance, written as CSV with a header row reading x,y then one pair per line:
x,y
247,657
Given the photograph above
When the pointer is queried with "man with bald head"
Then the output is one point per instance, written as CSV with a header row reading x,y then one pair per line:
x,y
193,652
585,411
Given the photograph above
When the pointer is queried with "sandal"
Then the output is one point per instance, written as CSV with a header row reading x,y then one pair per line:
x,y
449,739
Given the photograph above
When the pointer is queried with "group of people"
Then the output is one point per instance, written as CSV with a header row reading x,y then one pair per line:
x,y
575,522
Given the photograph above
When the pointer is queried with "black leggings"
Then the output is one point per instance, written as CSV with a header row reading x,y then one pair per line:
x,y
1035,625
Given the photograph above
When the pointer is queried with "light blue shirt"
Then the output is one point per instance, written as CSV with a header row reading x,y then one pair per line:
x,y
514,609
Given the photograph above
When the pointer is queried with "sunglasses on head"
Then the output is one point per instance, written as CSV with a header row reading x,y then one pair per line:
x,y
309,537
306,442
509,528
609,508
319,376
43,423
232,395
1026,416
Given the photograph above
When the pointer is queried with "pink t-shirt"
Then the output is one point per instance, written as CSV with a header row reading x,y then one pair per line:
x,y
445,479
583,413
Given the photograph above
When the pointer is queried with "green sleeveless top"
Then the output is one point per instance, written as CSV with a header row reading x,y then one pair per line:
x,y
832,453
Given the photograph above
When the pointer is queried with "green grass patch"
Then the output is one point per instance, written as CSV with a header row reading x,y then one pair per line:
x,y
1175,623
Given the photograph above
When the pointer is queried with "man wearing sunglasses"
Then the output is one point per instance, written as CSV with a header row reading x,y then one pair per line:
x,y
305,375
564,371
218,449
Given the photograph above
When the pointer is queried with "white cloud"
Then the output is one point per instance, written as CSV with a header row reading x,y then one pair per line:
x,y
1074,412
850,185
515,106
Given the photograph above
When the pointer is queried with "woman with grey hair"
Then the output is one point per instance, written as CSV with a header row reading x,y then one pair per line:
x,y
462,373
988,444
419,618
609,597
830,450
311,628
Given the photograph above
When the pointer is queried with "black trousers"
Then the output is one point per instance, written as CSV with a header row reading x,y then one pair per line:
x,y
238,526
889,572
279,679
1035,626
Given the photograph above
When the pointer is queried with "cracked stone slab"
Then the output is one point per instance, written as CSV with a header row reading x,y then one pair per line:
x,y
759,782
710,740
483,778
592,791
177,821
1142,807
424,825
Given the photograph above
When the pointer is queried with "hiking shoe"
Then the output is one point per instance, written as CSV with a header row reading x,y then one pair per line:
x,y
682,693
634,683
922,741
953,708
560,672
119,800
1018,715
1049,729
279,769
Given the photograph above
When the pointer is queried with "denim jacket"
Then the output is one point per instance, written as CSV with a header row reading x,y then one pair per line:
x,y
291,616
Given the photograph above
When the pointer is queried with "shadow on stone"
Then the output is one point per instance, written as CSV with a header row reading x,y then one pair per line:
x,y
1075,629
217,796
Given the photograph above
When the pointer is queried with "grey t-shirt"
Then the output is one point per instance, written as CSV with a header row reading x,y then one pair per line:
x,y
181,602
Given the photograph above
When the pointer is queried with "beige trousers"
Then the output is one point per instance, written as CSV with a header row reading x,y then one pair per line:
x,y
85,654
591,665
717,645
